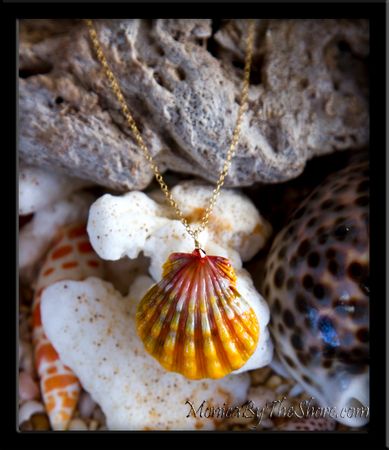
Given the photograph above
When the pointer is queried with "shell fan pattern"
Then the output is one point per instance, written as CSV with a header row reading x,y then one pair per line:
x,y
194,321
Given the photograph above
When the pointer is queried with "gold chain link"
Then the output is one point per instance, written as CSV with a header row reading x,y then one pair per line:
x,y
138,137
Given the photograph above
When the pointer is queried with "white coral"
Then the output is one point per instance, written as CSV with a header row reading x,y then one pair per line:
x,y
120,226
39,188
36,235
93,329
135,223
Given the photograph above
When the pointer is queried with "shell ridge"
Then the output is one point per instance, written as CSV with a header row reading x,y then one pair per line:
x,y
194,324
219,347
231,293
226,320
177,283
223,267
164,324
198,335
154,295
174,260
145,317
181,274
172,275
153,309
182,334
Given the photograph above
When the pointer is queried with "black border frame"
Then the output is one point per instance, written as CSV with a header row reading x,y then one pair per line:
x,y
375,12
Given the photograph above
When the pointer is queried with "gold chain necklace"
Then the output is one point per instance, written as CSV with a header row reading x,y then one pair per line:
x,y
194,320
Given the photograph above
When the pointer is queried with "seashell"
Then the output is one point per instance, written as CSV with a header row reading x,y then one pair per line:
x,y
317,286
40,422
308,424
131,389
26,359
194,321
77,425
86,405
70,257
28,409
28,389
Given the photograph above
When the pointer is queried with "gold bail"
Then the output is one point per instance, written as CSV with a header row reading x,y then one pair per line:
x,y
195,236
197,246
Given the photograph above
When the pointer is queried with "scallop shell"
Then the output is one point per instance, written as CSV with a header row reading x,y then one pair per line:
x,y
194,321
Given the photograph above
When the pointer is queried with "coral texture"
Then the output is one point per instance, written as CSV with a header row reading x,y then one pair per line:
x,y
135,223
93,328
182,81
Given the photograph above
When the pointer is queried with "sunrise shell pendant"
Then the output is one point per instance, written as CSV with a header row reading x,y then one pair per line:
x,y
194,320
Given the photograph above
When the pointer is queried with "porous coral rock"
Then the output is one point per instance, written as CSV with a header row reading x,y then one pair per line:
x,y
182,80
134,222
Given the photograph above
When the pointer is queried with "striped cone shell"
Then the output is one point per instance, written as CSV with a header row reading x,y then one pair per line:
x,y
70,257
194,321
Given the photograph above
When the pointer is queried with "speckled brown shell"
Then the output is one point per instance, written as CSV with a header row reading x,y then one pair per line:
x,y
317,280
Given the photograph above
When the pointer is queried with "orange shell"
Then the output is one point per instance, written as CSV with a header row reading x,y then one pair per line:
x,y
194,320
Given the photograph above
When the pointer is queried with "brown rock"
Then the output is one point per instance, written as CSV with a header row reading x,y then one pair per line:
x,y
182,82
